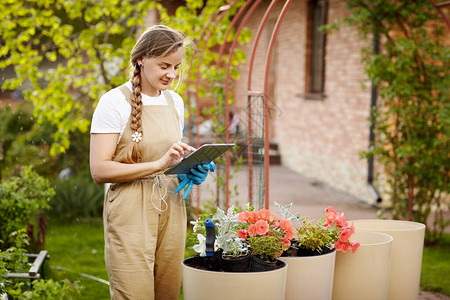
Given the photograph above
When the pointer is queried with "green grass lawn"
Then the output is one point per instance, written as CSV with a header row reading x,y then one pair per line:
x,y
78,247
436,267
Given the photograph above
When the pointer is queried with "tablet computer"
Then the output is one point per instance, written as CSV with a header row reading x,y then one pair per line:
x,y
203,155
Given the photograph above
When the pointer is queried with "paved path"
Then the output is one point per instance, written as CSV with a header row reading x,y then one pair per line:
x,y
309,198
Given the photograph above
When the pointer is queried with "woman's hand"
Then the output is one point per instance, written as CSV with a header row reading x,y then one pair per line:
x,y
195,176
174,155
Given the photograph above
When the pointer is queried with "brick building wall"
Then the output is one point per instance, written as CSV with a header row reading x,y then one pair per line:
x,y
320,139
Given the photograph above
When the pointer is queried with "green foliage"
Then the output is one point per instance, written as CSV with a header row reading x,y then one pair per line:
x,y
22,199
316,236
24,141
267,247
13,260
411,120
77,197
65,54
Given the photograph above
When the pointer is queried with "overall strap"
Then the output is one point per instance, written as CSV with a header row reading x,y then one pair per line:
x,y
171,104
169,99
126,91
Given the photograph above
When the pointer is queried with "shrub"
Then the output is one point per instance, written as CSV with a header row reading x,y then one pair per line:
x,y
22,201
77,197
13,260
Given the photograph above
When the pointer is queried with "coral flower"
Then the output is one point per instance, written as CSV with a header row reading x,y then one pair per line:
x,y
340,221
243,216
252,230
340,246
355,246
330,216
242,234
345,235
265,214
252,217
286,225
290,234
262,227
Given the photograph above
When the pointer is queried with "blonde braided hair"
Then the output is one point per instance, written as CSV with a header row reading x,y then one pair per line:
x,y
155,41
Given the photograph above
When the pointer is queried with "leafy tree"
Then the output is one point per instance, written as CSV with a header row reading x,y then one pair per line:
x,y
65,54
412,117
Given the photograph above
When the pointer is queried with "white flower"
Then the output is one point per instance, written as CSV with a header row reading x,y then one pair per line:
x,y
136,136
201,246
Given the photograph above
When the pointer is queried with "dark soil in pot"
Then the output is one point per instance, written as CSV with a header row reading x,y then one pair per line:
x,y
204,263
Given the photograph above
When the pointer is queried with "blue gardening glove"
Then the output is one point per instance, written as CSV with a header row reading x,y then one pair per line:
x,y
196,176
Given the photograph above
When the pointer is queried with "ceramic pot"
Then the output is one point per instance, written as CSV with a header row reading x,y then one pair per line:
x,y
365,273
202,284
310,277
406,257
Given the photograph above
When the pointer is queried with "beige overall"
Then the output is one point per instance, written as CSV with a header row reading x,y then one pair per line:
x,y
144,221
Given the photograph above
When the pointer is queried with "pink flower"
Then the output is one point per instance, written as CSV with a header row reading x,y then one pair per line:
x,y
330,216
242,234
355,246
340,221
340,246
252,230
265,214
345,235
262,227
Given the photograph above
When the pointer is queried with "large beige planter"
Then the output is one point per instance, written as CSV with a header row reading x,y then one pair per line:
x,y
365,273
310,277
406,257
200,284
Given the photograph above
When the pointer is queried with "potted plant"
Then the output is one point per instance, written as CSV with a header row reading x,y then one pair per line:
x,y
311,256
233,251
212,272
267,236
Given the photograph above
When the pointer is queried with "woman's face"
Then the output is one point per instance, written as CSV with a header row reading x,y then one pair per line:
x,y
158,73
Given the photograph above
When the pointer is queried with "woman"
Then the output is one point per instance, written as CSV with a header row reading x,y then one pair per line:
x,y
135,135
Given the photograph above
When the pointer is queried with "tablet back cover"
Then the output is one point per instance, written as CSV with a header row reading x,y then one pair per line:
x,y
204,154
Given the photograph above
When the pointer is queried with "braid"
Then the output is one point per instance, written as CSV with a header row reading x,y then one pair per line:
x,y
133,154
136,101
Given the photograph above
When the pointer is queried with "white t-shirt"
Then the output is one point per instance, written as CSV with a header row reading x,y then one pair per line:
x,y
113,110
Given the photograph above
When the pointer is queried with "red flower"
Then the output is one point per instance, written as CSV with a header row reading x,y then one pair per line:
x,y
242,234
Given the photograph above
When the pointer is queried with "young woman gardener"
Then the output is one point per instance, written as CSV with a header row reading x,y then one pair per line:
x,y
135,135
